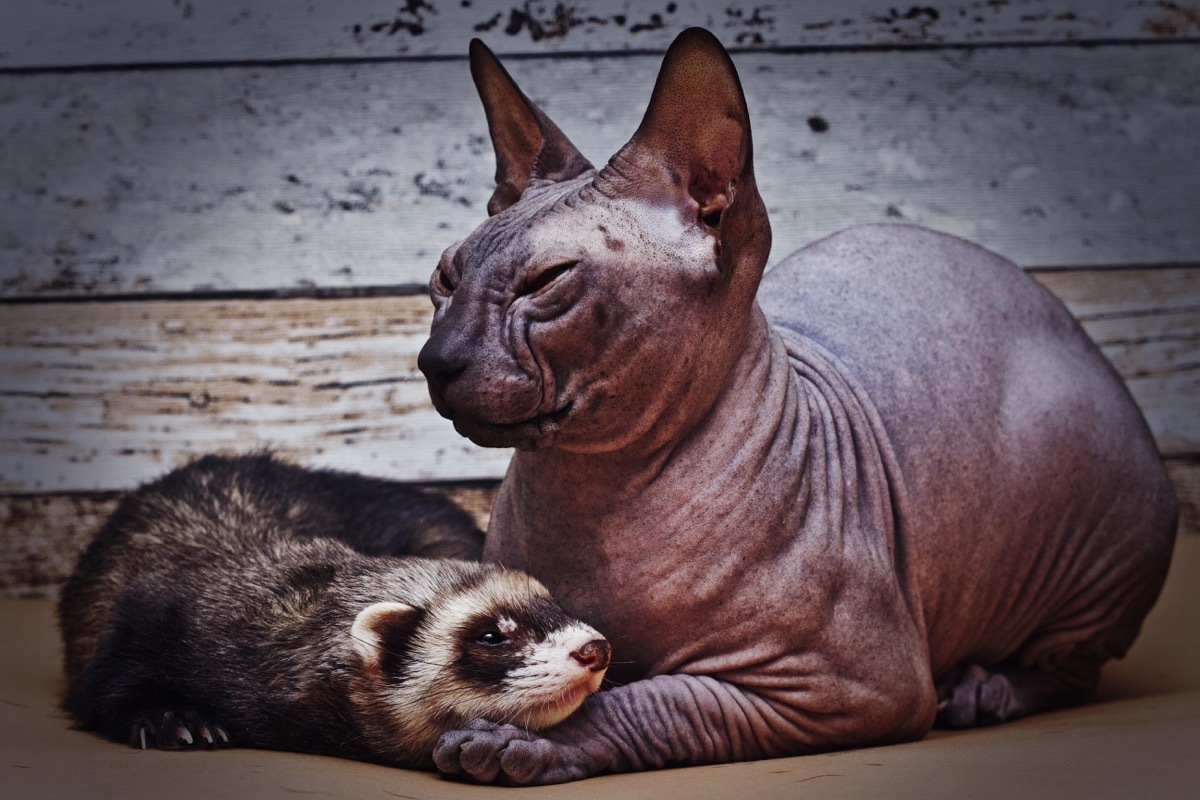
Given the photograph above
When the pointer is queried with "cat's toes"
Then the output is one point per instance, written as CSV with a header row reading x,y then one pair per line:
x,y
536,761
486,752
171,730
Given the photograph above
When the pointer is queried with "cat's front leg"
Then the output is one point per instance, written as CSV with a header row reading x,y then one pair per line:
x,y
671,720
665,721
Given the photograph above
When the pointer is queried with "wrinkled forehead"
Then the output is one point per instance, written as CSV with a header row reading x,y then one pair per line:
x,y
554,220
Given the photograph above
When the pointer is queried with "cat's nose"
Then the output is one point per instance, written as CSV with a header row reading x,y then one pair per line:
x,y
439,370
440,361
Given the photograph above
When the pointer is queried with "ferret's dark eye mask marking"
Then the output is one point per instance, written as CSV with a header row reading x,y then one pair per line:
x,y
485,653
486,632
490,632
492,638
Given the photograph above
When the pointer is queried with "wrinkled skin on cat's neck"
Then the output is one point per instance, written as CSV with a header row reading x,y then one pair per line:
x,y
901,483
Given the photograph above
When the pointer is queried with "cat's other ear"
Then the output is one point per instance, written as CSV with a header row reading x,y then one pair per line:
x,y
528,145
694,149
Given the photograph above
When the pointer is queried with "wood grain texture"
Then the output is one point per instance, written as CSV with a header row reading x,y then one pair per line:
x,y
1185,474
103,396
51,33
43,537
336,175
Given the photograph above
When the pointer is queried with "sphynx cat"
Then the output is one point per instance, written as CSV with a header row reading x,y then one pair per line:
x,y
894,482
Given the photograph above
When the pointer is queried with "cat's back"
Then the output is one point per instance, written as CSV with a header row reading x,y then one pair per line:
x,y
970,363
1008,427
951,342
893,299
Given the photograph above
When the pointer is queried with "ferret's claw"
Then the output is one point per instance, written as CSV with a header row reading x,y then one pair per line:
x,y
169,729
184,736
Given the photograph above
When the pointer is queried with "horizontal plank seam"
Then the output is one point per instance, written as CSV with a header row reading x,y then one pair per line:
x,y
589,54
417,289
1051,269
1175,366
446,485
210,295
1140,313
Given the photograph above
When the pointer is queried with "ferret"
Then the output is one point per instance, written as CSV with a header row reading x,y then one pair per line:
x,y
241,600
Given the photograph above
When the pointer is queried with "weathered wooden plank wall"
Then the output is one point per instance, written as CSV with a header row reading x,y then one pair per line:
x,y
247,178
52,33
102,396
220,215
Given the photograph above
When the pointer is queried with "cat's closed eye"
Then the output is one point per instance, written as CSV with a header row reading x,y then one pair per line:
x,y
544,279
443,282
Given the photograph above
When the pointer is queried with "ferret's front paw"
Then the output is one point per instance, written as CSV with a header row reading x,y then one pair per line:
x,y
490,753
177,730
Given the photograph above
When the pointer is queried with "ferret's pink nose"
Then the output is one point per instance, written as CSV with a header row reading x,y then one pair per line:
x,y
594,655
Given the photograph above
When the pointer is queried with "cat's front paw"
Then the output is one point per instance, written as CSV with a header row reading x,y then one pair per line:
x,y
165,729
491,753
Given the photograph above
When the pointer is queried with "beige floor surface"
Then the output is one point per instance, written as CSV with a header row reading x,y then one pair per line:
x,y
1140,739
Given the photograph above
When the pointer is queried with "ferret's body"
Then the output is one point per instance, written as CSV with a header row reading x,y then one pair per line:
x,y
249,602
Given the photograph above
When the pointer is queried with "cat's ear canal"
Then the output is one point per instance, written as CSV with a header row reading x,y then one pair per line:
x,y
710,213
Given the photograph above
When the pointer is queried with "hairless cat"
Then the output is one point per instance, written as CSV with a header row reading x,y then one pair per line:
x,y
894,482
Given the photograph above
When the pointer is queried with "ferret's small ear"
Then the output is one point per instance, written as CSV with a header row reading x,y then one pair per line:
x,y
381,632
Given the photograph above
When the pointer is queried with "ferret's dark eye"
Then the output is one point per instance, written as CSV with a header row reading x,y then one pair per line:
x,y
491,638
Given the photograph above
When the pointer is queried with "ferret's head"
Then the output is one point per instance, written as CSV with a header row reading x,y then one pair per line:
x,y
493,645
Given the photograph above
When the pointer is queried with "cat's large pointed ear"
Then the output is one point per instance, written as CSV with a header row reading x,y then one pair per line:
x,y
694,147
528,145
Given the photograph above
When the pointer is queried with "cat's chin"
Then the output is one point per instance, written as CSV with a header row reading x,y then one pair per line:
x,y
535,433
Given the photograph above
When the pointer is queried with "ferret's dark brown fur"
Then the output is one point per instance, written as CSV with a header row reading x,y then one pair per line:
x,y
246,601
